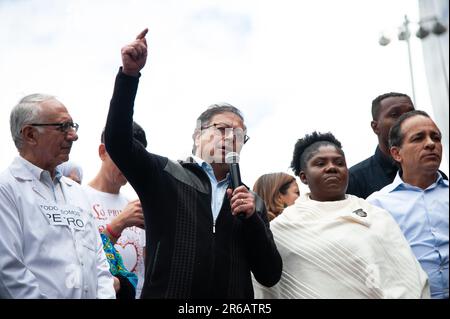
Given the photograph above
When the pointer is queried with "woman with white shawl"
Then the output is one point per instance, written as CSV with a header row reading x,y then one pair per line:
x,y
335,245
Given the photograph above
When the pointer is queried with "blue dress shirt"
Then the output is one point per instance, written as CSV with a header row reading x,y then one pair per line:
x,y
423,217
218,188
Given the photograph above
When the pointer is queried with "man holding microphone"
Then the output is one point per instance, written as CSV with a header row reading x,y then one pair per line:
x,y
197,246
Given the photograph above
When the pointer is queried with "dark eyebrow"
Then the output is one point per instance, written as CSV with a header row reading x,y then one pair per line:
x,y
328,157
418,134
437,133
397,109
223,123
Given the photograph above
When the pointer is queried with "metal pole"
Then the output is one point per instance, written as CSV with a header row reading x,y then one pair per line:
x,y
408,34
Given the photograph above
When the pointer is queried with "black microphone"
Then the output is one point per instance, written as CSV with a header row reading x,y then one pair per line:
x,y
232,158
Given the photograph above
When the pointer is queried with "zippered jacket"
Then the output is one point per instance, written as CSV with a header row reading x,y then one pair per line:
x,y
186,257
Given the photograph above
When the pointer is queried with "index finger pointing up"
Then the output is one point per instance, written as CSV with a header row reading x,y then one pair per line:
x,y
142,34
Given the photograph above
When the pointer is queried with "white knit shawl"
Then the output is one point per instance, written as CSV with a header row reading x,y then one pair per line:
x,y
343,249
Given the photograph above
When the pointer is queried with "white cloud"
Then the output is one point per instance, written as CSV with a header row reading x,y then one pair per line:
x,y
291,66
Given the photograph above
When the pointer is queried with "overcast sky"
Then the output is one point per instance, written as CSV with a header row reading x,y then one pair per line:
x,y
291,66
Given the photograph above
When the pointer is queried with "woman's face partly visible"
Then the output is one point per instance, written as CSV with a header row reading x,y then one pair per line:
x,y
326,174
292,193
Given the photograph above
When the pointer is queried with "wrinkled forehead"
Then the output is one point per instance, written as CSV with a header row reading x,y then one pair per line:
x,y
418,123
54,110
400,102
228,118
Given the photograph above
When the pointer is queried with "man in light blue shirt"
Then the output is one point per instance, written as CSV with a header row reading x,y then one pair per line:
x,y
418,197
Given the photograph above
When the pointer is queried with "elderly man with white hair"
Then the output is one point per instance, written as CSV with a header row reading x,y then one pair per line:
x,y
50,246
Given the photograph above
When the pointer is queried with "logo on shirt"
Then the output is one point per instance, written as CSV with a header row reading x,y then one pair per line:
x,y
360,212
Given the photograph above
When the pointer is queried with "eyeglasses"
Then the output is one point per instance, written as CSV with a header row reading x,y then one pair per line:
x,y
63,127
223,129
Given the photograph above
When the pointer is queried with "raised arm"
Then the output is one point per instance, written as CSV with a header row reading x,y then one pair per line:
x,y
118,131
130,156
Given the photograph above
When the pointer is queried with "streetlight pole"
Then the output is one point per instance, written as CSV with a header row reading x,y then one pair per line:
x,y
406,35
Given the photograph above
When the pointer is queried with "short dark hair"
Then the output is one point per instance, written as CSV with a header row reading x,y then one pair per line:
x,y
138,134
396,135
307,146
208,114
376,103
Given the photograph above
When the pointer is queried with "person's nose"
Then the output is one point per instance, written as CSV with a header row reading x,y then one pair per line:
x,y
331,168
72,135
228,134
429,143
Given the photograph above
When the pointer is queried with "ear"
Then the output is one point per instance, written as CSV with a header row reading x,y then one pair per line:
x,y
29,135
102,151
374,125
303,178
196,138
395,153
280,197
